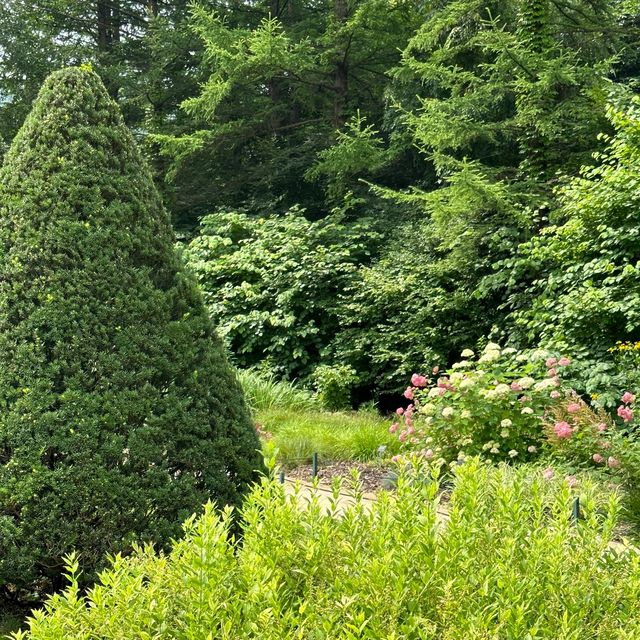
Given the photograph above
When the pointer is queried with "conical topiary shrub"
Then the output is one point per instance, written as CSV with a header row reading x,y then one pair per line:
x,y
119,415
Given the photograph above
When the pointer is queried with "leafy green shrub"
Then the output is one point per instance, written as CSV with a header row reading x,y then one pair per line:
x,y
576,287
263,392
273,283
119,413
508,562
495,406
334,385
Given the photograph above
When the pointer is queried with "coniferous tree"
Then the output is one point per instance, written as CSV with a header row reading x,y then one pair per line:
x,y
119,414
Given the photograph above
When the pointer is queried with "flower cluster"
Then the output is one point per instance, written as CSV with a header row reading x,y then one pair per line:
x,y
493,406
582,436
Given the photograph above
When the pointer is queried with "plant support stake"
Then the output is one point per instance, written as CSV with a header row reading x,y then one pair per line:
x,y
314,465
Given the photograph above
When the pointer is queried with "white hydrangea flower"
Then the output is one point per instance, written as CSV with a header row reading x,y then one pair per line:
x,y
466,383
495,449
508,351
513,453
434,392
463,364
502,389
526,383
447,412
428,409
522,357
467,353
492,346
456,377
504,433
489,356
527,411
547,383
466,414
506,423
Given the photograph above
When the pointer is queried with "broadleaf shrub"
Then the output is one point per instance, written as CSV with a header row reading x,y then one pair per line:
x,y
508,562
119,414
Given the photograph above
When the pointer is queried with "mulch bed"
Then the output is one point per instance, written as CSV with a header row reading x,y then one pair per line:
x,y
372,477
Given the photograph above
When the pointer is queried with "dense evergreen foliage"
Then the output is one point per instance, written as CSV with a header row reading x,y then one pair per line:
x,y
119,415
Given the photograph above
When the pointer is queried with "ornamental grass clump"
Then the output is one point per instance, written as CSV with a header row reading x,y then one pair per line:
x,y
495,406
508,561
119,415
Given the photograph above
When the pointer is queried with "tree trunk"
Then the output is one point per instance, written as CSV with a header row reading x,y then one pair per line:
x,y
341,81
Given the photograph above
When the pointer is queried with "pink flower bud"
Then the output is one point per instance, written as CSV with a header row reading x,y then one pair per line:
x,y
628,398
563,430
613,463
394,427
572,481
548,473
408,393
551,362
418,381
597,458
399,411
573,407
625,413
554,394
563,362
552,373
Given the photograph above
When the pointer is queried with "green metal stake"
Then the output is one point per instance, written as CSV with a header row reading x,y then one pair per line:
x,y
282,477
575,511
314,465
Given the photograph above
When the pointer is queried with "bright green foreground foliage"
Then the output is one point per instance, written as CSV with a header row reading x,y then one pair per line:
x,y
508,563
119,415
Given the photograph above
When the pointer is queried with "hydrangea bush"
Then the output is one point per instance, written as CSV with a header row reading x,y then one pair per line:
x,y
495,405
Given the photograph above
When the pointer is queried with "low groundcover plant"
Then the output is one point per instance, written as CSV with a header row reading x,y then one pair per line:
x,y
507,561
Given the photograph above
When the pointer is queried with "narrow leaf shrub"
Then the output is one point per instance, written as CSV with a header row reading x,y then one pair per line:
x,y
119,415
507,562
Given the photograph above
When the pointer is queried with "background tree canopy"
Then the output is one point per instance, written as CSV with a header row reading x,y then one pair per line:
x,y
375,179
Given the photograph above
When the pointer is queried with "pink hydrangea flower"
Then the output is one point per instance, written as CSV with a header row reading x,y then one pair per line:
x,y
408,421
443,382
625,413
394,427
628,398
563,430
573,407
572,481
613,463
409,410
552,373
548,473
597,458
551,362
410,430
554,394
408,393
403,435
515,387
563,362
399,411
418,381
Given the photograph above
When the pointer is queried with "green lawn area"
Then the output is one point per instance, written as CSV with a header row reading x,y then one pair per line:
x,y
334,436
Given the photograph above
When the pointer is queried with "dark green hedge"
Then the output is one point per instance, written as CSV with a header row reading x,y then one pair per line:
x,y
119,414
